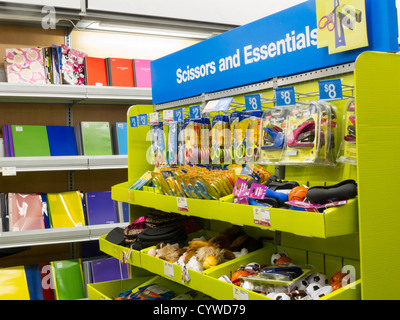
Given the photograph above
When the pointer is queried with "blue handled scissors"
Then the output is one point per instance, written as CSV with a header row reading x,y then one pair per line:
x,y
187,191
125,295
328,21
201,190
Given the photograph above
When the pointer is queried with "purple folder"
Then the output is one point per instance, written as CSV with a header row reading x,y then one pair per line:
x,y
101,209
6,144
108,269
11,141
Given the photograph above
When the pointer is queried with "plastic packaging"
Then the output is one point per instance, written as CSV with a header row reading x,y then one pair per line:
x,y
348,152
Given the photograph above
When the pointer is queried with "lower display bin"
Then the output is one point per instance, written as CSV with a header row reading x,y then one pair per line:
x,y
111,289
222,290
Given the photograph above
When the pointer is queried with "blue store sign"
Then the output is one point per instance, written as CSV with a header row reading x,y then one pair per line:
x,y
279,45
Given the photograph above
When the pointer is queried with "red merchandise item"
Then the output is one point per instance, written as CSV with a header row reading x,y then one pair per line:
x,y
120,72
96,71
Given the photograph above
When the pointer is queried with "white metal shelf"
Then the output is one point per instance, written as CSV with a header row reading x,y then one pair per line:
x,y
63,163
27,238
69,94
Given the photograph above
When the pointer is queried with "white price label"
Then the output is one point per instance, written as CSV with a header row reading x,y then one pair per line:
x,y
169,270
168,116
130,195
262,217
239,294
154,118
182,204
211,106
9,171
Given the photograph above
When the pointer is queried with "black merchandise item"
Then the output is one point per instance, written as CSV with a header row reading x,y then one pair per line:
x,y
344,190
152,236
116,236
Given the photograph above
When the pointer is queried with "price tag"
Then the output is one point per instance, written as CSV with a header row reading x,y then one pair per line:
x,y
168,116
223,104
130,195
142,120
330,89
253,102
218,105
194,112
154,118
285,96
178,115
182,204
239,294
211,106
9,171
134,122
169,269
261,217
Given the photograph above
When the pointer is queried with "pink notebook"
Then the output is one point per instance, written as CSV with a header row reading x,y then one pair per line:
x,y
25,65
25,211
142,73
73,66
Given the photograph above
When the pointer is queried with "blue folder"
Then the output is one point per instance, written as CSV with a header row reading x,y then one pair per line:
x,y
62,141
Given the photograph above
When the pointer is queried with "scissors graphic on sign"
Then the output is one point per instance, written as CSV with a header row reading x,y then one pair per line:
x,y
328,21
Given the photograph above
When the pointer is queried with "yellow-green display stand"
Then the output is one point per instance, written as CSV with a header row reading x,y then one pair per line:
x,y
378,114
362,234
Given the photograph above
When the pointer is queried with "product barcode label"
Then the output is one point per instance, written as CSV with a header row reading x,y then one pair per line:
x,y
262,217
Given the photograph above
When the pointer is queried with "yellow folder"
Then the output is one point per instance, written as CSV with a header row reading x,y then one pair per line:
x,y
66,209
13,284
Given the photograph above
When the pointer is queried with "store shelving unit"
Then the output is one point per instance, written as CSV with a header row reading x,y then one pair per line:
x,y
351,235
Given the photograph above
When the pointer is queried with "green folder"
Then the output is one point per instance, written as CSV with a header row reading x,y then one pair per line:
x,y
68,279
30,141
96,138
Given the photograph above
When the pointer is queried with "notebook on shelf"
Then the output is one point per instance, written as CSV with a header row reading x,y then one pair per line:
x,y
62,141
25,65
72,66
120,138
96,71
108,269
28,141
94,138
120,72
65,209
100,208
142,73
68,279
25,211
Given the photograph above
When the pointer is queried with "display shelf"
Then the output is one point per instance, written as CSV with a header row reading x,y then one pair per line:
x,y
28,238
132,256
69,94
111,289
334,221
207,281
62,163
224,291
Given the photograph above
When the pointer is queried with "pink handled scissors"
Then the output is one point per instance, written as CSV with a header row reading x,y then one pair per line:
x,y
328,21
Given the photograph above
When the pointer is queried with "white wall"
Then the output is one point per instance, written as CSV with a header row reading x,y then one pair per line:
x,y
236,12
72,4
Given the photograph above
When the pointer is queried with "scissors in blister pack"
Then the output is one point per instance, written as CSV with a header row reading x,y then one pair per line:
x,y
124,295
200,190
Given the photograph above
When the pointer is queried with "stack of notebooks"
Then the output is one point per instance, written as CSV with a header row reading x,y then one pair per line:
x,y
32,211
87,138
65,65
59,280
